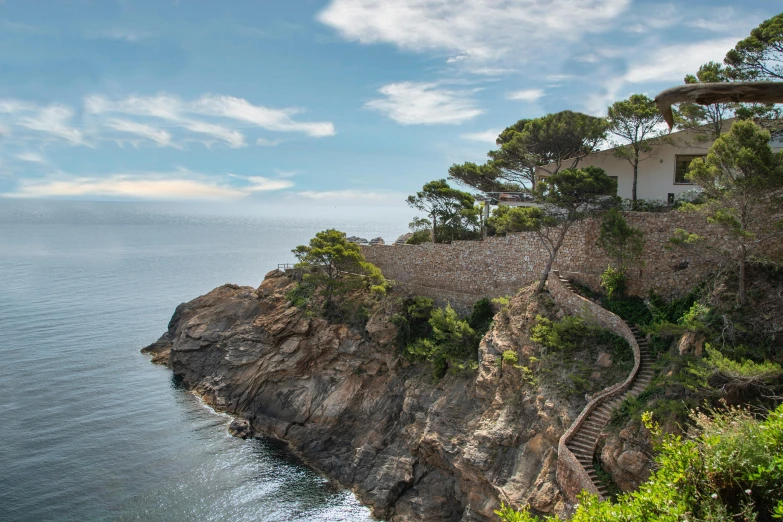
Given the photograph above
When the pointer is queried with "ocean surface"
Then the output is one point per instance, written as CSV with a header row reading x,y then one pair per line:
x,y
89,428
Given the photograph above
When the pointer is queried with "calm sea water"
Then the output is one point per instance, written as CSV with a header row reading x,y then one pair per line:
x,y
89,429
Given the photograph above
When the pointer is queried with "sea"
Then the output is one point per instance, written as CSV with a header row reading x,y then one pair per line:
x,y
89,428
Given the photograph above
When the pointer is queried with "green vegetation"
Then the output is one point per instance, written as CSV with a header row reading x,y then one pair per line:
x,y
439,336
760,55
568,197
568,343
740,177
336,272
637,123
730,467
452,213
621,242
706,121
553,141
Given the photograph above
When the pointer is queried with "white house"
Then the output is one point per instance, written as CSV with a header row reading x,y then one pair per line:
x,y
662,174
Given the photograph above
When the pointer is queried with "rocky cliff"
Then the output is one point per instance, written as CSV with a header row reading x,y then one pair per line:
x,y
344,400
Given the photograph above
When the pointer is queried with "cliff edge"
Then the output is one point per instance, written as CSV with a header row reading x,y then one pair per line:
x,y
344,399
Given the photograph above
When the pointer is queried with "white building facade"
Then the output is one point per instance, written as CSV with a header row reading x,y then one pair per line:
x,y
661,173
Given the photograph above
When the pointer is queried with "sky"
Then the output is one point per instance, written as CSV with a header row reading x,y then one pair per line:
x,y
307,103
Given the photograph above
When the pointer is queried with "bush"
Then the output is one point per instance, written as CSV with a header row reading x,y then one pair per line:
x,y
739,380
510,357
413,322
645,205
419,237
299,296
451,343
631,309
730,468
613,281
481,317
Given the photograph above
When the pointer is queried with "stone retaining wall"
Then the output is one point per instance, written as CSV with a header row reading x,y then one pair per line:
x,y
502,265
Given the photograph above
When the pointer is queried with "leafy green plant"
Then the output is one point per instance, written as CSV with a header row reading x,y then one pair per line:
x,y
299,296
481,317
613,281
729,468
452,343
510,357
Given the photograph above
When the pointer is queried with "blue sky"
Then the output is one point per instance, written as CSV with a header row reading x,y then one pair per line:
x,y
308,103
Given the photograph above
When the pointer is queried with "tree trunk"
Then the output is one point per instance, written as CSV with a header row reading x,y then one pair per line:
x,y
635,176
742,293
545,275
434,230
552,256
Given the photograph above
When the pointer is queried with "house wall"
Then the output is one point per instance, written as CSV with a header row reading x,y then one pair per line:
x,y
500,266
656,172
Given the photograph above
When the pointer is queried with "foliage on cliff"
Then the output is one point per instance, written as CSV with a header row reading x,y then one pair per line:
x,y
335,270
741,178
439,336
728,468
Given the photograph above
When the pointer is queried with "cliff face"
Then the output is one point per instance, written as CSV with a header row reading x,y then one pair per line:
x,y
350,406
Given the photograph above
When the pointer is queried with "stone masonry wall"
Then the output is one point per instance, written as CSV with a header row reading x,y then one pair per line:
x,y
502,265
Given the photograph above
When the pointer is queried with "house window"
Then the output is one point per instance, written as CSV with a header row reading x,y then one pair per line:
x,y
681,164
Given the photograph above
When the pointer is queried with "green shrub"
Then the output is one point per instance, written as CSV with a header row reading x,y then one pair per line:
x,y
510,357
631,309
413,322
501,303
730,468
419,237
299,296
451,342
481,317
613,281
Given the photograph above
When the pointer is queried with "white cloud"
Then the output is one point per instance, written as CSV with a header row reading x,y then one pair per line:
x,y
31,157
126,35
271,119
411,103
232,138
159,136
488,136
352,196
477,30
260,184
182,184
189,115
530,95
675,61
53,120
263,142
555,78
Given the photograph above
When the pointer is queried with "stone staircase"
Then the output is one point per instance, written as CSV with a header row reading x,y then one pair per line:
x,y
584,438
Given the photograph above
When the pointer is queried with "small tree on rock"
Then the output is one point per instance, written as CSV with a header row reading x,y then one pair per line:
x,y
334,264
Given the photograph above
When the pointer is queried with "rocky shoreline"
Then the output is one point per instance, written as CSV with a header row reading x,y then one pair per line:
x,y
345,401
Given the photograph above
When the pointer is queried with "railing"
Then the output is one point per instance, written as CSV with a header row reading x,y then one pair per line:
x,y
282,267
571,476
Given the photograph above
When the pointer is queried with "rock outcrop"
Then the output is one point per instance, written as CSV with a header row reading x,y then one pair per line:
x,y
349,405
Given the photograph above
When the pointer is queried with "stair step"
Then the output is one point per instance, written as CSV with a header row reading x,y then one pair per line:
x,y
584,443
